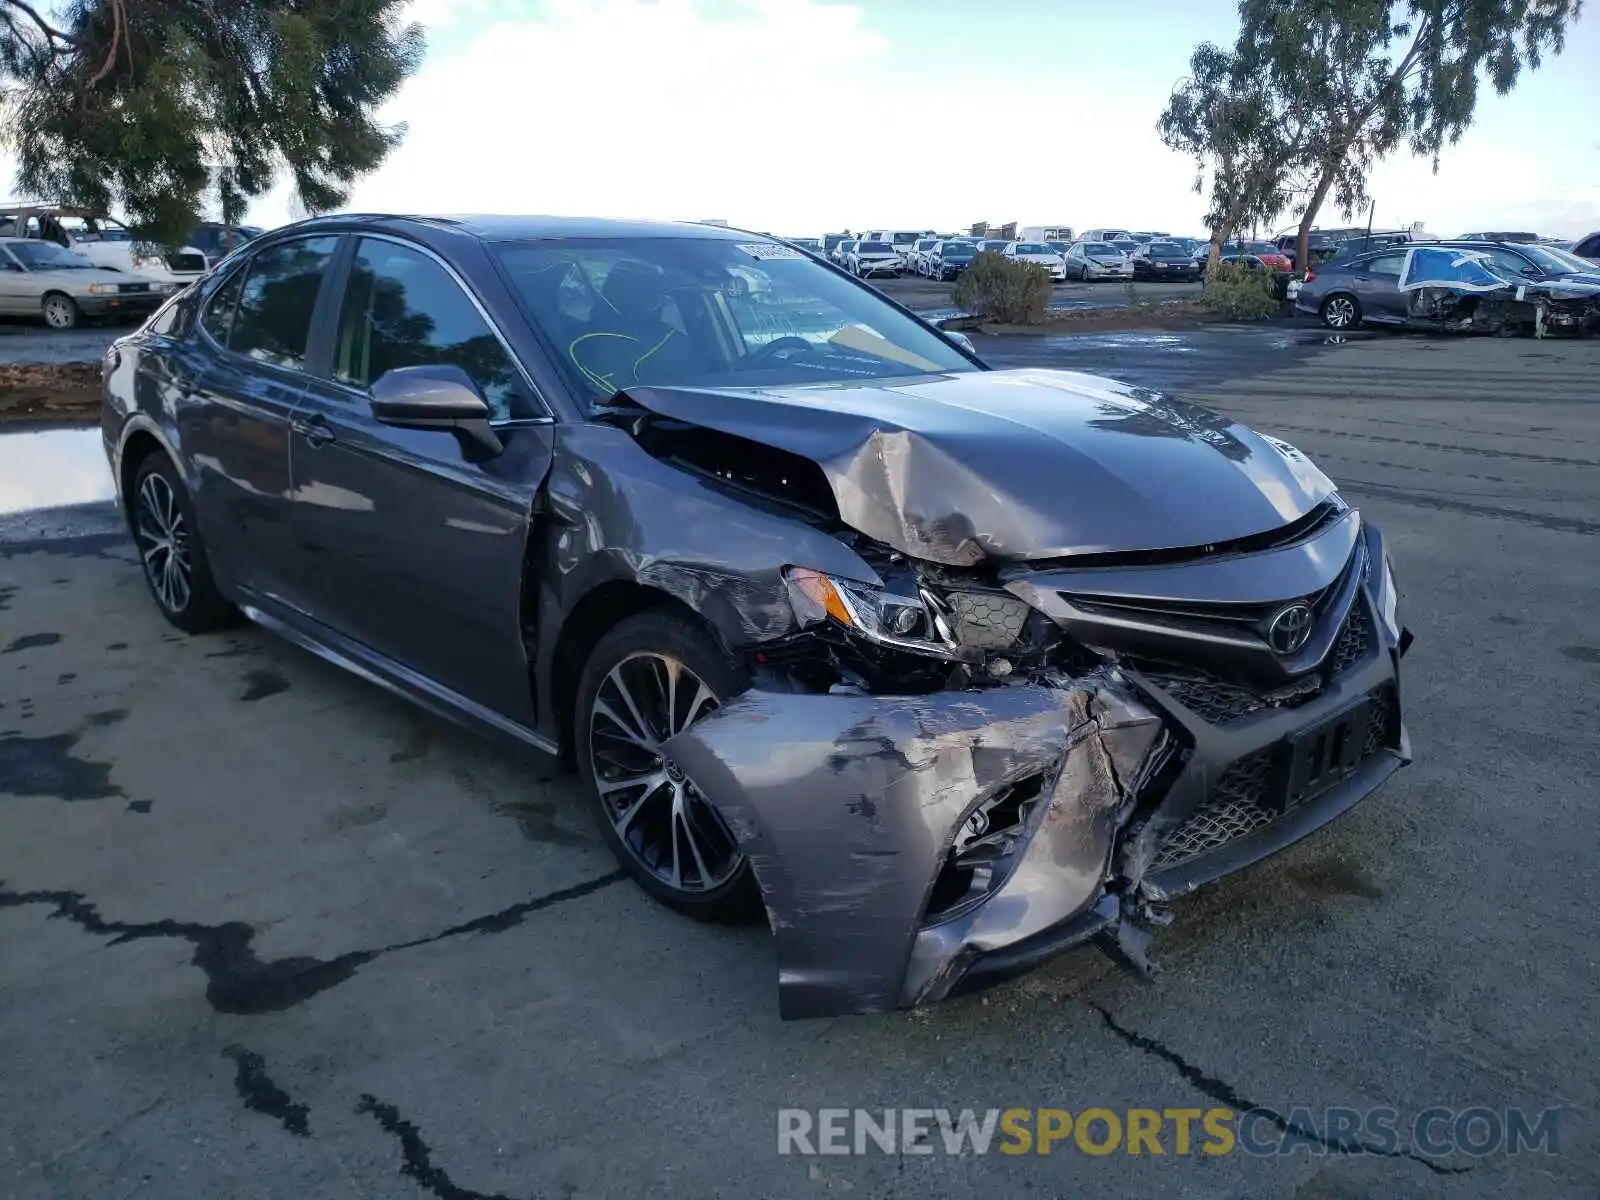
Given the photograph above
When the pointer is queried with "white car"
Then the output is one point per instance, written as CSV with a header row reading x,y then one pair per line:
x,y
41,279
1040,255
840,254
874,258
105,242
917,260
1097,260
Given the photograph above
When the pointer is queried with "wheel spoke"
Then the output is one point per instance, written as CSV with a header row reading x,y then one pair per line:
x,y
704,701
640,726
625,821
630,734
682,817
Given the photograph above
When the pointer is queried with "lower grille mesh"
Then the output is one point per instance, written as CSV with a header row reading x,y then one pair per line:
x,y
1239,803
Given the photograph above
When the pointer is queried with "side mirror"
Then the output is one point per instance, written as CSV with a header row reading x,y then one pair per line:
x,y
439,396
962,340
1531,272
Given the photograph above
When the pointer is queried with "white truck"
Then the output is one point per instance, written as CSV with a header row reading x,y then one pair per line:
x,y
104,241
1045,233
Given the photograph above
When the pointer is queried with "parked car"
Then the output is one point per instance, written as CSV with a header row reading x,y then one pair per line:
x,y
842,250
1347,292
1104,235
1040,255
904,241
951,257
874,258
1258,262
1498,237
105,242
63,288
945,668
1369,242
811,246
829,242
1588,247
1535,261
993,245
1267,252
1127,245
917,259
216,240
1321,245
1164,259
1097,260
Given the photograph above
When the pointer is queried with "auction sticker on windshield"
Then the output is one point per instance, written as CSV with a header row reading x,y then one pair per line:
x,y
764,250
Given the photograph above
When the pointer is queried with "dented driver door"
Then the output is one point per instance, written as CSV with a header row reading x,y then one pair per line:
x,y
411,542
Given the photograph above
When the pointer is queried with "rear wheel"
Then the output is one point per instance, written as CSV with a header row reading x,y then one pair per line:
x,y
60,311
651,677
175,563
1341,311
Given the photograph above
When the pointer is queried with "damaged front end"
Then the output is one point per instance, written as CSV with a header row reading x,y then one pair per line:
x,y
1466,291
953,762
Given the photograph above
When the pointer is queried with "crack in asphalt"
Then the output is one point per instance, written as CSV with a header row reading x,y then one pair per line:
x,y
418,1158
260,1094
240,983
1226,1094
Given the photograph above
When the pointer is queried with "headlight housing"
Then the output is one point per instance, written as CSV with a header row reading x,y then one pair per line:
x,y
950,625
101,289
897,621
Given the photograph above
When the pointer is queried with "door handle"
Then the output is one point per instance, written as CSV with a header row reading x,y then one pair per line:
x,y
315,429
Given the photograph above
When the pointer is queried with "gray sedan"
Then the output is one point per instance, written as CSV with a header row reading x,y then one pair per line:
x,y
942,669
42,279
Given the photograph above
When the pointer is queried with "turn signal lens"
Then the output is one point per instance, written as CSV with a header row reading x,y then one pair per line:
x,y
822,596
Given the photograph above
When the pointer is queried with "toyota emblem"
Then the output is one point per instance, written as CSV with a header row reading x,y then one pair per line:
x,y
1290,628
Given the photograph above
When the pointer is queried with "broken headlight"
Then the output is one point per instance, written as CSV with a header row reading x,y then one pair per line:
x,y
948,624
911,623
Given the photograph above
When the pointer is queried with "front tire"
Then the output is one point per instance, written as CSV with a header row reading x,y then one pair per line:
x,y
652,676
61,311
174,558
1341,311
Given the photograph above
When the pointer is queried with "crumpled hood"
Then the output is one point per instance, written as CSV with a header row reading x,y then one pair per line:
x,y
1016,465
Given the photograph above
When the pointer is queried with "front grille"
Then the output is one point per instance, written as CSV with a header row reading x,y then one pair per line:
x,y
130,289
1220,702
186,262
1354,637
1240,804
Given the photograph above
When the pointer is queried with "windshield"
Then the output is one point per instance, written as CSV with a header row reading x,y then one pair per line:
x,y
1166,250
876,248
1103,248
47,256
958,250
993,244
904,239
1033,248
1260,247
710,312
1557,262
926,243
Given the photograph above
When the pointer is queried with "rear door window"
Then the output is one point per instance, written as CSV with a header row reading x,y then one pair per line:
x,y
272,321
1385,264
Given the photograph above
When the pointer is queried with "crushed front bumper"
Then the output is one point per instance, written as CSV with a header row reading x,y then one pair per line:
x,y
848,807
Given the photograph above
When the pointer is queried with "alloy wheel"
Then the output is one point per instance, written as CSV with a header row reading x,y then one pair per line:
x,y
1339,312
658,814
163,538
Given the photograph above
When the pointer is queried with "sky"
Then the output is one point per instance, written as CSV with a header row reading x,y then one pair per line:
x,y
800,117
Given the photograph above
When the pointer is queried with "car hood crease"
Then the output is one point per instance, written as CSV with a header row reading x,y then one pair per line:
x,y
1016,465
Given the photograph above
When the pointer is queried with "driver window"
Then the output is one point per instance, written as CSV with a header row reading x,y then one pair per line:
x,y
402,309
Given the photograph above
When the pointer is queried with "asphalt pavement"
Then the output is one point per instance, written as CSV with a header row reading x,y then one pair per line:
x,y
266,931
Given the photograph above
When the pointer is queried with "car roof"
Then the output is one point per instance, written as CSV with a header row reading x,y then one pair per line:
x,y
502,227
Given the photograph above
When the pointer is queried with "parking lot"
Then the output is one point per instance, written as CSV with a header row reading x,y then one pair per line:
x,y
267,931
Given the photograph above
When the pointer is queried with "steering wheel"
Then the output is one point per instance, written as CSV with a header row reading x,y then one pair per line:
x,y
776,346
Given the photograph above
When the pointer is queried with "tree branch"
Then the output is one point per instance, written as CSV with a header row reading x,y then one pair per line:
x,y
49,30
